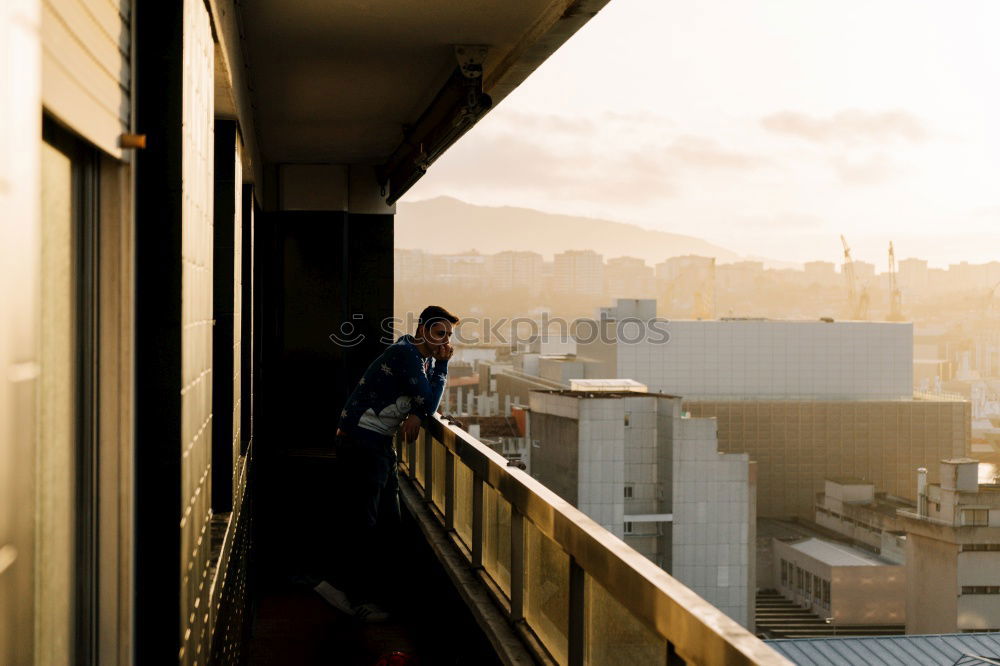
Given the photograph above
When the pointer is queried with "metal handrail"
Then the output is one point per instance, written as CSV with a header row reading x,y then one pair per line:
x,y
698,632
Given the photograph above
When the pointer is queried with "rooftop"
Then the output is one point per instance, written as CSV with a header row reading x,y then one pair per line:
x,y
601,395
837,555
849,480
607,385
914,650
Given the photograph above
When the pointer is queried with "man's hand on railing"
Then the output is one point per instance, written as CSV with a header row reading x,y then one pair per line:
x,y
455,421
411,428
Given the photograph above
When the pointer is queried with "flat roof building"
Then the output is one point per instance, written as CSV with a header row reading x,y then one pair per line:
x,y
837,581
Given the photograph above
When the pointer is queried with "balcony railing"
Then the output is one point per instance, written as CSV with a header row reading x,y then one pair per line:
x,y
568,585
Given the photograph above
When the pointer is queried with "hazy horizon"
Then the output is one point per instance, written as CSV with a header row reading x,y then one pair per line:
x,y
467,244
768,129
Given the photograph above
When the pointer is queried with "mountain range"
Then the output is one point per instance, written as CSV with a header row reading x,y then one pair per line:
x,y
444,225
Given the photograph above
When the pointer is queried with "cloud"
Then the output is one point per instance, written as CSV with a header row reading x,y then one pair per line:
x,y
783,222
542,123
584,127
850,126
570,158
511,162
871,170
694,151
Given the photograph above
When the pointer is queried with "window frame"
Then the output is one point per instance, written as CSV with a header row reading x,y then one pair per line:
x,y
86,206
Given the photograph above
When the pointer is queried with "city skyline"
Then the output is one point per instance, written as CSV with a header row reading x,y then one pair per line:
x,y
410,236
867,120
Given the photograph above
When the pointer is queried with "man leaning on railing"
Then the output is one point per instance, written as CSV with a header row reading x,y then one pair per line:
x,y
401,388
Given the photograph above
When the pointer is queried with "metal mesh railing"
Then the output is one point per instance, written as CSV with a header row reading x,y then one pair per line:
x,y
574,590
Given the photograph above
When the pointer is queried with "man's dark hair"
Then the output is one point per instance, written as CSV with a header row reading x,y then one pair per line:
x,y
433,313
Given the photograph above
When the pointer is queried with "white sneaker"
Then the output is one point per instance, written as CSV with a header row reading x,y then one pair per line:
x,y
370,613
334,597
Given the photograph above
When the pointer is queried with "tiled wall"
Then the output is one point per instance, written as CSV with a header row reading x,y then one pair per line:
x,y
774,360
640,456
673,465
711,527
602,462
237,323
196,337
798,444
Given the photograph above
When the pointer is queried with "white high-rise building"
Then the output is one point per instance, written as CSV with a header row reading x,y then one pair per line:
x,y
636,465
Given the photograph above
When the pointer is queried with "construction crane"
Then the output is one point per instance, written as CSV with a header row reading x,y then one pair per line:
x,y
857,299
895,296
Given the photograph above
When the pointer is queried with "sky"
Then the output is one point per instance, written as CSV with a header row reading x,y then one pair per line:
x,y
769,127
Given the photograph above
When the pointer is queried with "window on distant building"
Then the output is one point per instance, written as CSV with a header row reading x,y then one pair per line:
x,y
826,593
628,490
967,547
977,517
628,419
981,589
817,591
628,528
784,572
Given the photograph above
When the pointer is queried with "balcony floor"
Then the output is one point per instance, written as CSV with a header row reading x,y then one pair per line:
x,y
293,625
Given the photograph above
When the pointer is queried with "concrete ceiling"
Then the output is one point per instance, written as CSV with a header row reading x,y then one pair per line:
x,y
336,80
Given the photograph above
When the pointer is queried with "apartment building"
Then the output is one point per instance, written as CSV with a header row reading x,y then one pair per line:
x,y
578,272
516,270
655,478
953,552
628,277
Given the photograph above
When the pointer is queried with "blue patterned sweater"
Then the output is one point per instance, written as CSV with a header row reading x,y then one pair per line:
x,y
397,383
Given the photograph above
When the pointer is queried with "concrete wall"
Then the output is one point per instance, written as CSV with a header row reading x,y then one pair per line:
x,y
556,460
800,444
869,595
932,591
978,611
20,198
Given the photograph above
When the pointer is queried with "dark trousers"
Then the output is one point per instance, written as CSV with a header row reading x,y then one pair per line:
x,y
369,501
